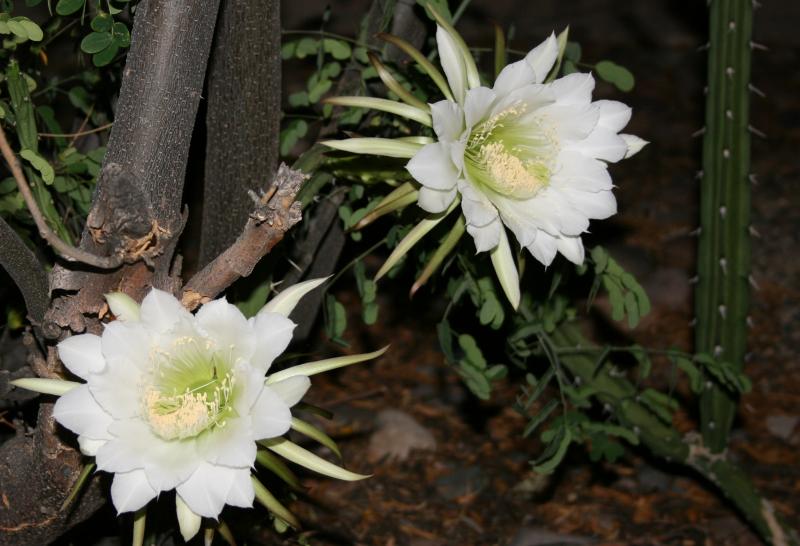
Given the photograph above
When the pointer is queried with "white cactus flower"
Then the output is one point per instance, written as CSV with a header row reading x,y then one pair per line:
x,y
179,401
525,154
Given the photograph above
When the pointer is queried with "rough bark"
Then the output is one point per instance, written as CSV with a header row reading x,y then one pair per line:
x,y
242,120
274,214
26,272
137,212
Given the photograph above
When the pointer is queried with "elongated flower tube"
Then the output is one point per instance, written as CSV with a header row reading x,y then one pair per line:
x,y
523,155
175,401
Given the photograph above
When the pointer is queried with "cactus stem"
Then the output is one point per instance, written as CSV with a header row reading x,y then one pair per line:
x,y
756,132
730,72
722,311
723,264
726,153
722,212
729,114
718,350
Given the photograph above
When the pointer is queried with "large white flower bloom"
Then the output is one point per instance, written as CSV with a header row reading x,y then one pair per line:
x,y
525,154
179,401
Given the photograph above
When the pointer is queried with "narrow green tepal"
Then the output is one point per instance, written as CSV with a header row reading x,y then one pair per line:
x,y
722,294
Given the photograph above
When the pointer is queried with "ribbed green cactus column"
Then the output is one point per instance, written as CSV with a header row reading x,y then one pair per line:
x,y
721,297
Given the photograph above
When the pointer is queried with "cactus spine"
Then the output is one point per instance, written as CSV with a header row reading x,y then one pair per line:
x,y
722,294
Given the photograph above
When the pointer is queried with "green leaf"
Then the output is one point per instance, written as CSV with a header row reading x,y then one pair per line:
x,y
336,317
338,49
106,56
561,443
96,42
572,51
472,352
102,22
615,297
305,47
79,98
299,98
600,259
255,301
632,309
445,335
122,36
294,131
539,418
615,74
40,164
31,29
68,7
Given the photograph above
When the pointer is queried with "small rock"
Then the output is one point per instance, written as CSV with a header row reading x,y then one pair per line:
x,y
651,479
782,426
398,434
462,481
535,536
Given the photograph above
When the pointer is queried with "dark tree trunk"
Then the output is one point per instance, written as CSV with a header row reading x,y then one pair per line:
x,y
26,272
136,213
243,118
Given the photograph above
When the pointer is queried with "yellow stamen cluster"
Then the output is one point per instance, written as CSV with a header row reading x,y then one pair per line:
x,y
509,173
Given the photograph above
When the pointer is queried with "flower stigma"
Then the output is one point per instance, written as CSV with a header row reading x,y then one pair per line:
x,y
512,154
190,390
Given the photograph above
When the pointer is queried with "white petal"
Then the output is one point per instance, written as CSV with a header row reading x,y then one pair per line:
x,y
270,416
542,57
478,209
206,490
614,115
241,492
530,98
81,354
78,411
228,327
285,302
435,201
291,390
601,144
90,446
161,311
188,521
448,120
126,344
477,105
575,88
433,168
452,63
543,248
123,306
526,217
570,121
273,333
116,389
130,491
486,237
512,77
571,248
634,144
505,268
229,445
597,206
579,172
